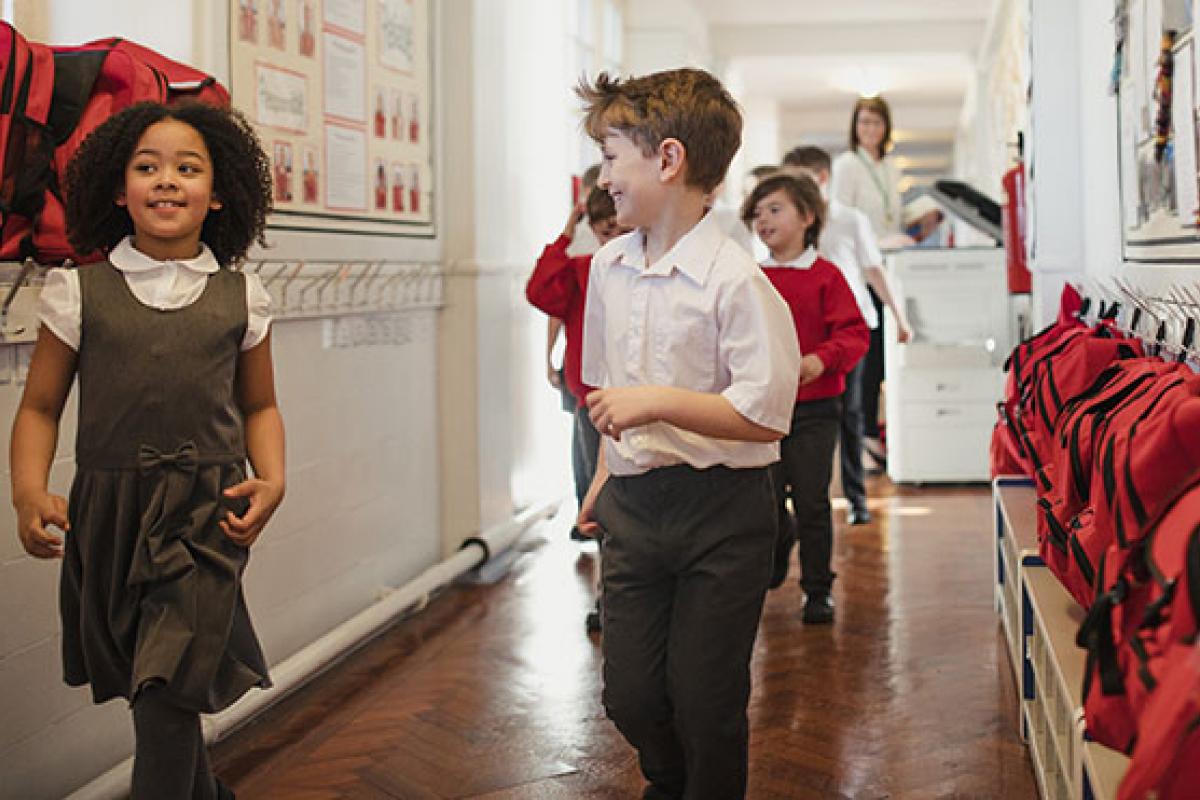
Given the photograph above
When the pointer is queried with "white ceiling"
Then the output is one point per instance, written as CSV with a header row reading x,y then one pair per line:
x,y
814,57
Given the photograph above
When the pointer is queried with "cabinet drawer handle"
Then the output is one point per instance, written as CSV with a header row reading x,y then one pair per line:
x,y
947,412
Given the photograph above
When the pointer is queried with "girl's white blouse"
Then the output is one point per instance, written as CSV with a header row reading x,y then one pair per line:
x,y
164,285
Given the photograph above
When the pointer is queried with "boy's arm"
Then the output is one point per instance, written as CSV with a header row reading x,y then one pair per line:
x,y
586,521
616,410
554,327
877,279
552,287
849,337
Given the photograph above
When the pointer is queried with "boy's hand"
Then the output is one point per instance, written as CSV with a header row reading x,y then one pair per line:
x,y
577,212
265,497
33,515
811,368
614,411
585,522
904,333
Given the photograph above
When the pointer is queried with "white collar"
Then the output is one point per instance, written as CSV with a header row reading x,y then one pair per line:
x,y
693,255
803,261
128,258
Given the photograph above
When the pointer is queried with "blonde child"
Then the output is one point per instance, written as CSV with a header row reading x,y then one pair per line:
x,y
172,351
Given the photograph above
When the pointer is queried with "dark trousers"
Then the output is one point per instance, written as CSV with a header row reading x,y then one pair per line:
x,y
170,761
687,558
853,486
802,475
585,444
873,374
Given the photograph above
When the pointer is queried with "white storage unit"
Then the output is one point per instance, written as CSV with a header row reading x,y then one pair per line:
x,y
942,387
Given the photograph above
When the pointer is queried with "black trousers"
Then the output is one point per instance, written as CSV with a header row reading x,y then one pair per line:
x,y
686,561
803,474
873,374
585,445
853,486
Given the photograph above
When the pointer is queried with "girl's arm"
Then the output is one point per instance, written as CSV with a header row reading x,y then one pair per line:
x,y
34,438
264,445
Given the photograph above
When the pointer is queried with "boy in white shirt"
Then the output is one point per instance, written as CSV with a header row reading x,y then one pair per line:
x,y
848,241
697,361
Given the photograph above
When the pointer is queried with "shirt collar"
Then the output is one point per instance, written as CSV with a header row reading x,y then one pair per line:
x,y
128,258
693,255
803,261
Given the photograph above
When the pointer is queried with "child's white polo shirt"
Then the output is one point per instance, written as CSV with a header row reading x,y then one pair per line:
x,y
704,317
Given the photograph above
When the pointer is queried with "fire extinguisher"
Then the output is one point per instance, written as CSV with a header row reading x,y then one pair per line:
x,y
1013,221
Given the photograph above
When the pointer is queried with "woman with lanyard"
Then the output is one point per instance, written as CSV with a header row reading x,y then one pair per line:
x,y
865,179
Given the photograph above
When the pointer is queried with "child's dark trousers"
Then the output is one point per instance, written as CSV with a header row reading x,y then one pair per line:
x,y
687,558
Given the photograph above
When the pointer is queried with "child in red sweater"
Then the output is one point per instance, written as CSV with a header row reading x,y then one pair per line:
x,y
787,213
558,286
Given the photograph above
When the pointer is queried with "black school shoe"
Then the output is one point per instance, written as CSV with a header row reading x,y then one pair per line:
x,y
818,609
858,515
593,623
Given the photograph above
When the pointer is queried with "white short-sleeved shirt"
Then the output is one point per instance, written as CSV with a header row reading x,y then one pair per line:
x,y
704,317
849,243
164,285
873,187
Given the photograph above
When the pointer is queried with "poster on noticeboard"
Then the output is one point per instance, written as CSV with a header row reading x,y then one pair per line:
x,y
341,95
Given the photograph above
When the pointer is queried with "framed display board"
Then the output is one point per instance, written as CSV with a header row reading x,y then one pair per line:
x,y
341,94
1160,188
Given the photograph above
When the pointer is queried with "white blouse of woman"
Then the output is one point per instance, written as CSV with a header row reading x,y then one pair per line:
x,y
863,177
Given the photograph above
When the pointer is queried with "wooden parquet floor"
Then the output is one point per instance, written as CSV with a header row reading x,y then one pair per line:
x,y
492,692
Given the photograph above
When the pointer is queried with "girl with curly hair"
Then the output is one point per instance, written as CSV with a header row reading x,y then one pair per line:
x,y
171,345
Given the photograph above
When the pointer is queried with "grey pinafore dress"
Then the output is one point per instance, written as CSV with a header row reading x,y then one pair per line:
x,y
151,585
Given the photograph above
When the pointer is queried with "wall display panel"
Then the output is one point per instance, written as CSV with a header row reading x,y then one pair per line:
x,y
1156,107
341,94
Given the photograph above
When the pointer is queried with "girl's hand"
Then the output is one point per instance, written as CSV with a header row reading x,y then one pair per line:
x,y
811,368
613,411
265,497
33,515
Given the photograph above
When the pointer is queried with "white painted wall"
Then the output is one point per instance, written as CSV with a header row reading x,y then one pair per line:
x,y
375,434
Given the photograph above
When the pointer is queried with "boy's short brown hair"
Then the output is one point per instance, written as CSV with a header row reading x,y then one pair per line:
x,y
804,194
685,104
808,157
600,206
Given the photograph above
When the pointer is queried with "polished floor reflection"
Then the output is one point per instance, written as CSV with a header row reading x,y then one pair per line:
x,y
493,691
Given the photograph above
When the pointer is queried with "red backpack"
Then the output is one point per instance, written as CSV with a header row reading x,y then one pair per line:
x,y
88,83
26,91
1142,623
1166,760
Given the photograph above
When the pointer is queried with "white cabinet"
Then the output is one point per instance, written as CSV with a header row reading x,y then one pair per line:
x,y
942,387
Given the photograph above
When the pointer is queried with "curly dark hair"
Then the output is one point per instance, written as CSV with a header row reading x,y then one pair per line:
x,y
241,179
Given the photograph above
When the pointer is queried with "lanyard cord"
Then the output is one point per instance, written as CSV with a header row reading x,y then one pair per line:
x,y
883,192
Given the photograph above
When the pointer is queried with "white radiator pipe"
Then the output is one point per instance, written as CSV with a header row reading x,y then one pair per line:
x,y
311,661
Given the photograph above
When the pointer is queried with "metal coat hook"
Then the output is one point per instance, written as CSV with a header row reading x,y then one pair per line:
x,y
27,269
